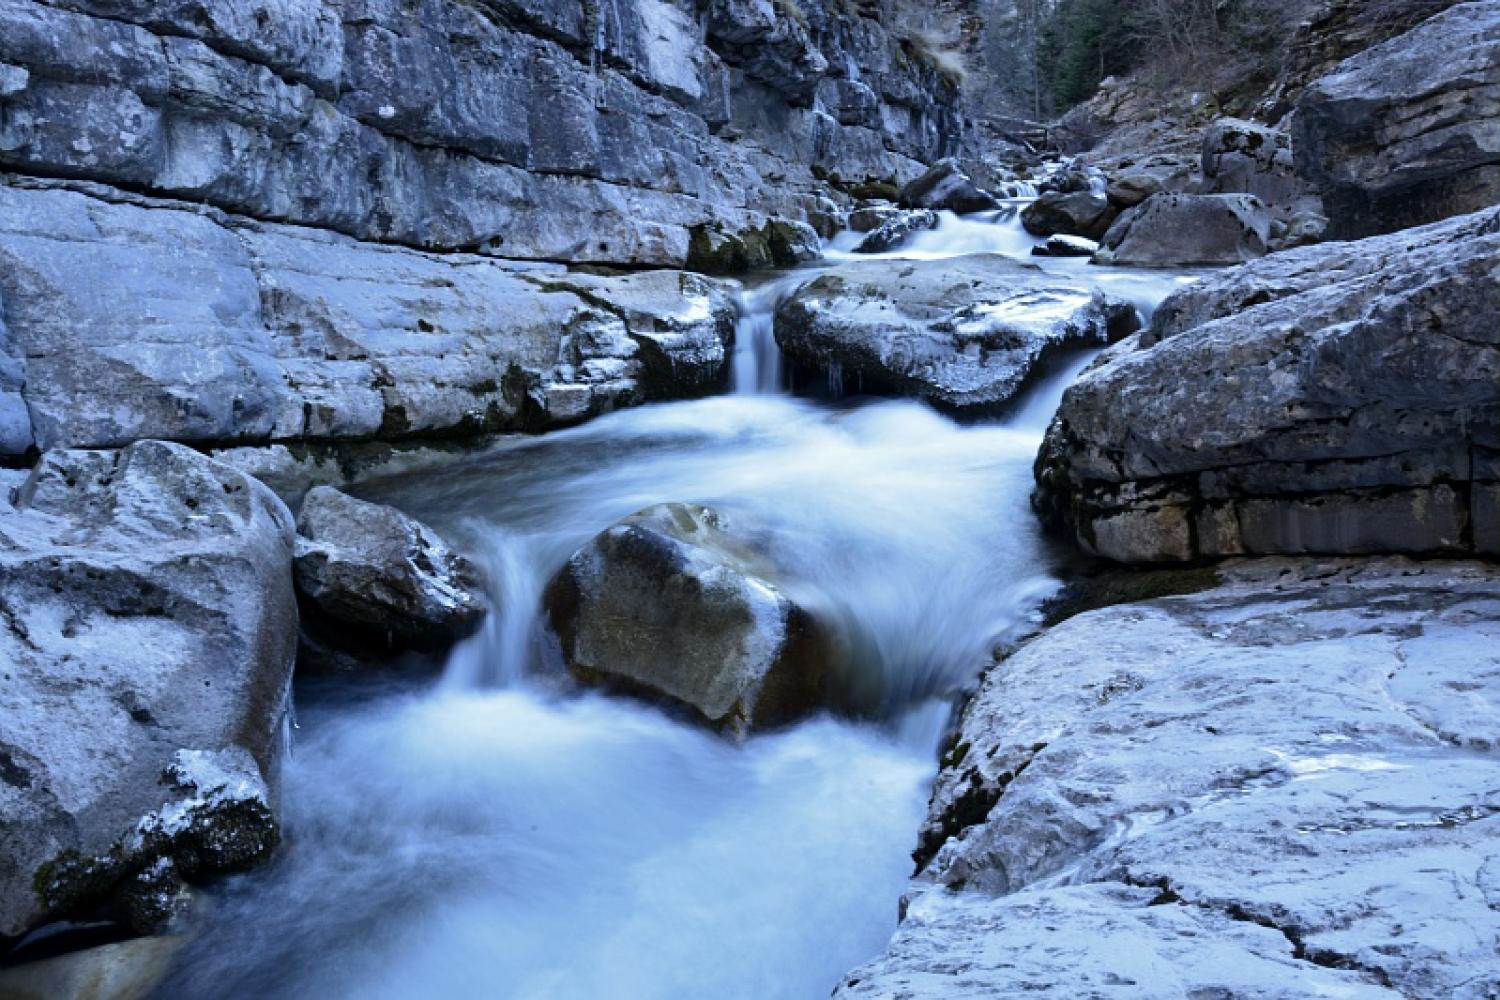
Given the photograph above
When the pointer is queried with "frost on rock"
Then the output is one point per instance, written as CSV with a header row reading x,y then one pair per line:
x,y
221,823
1283,786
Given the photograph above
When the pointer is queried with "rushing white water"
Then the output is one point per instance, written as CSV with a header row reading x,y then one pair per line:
x,y
500,833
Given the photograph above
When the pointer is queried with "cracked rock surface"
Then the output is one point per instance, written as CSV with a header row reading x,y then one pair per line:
x,y
1283,786
1335,399
962,334
127,317
147,631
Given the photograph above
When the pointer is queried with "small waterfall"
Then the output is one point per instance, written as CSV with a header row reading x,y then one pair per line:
x,y
757,368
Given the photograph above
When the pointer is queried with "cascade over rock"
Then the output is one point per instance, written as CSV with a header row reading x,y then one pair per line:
x,y
674,603
377,577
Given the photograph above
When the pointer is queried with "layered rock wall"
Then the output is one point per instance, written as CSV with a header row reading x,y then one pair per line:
x,y
1341,398
538,129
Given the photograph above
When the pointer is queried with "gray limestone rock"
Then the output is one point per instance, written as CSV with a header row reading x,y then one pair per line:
x,y
1282,786
1407,132
947,187
1340,398
1071,213
674,603
148,628
1180,230
546,130
963,334
895,232
380,577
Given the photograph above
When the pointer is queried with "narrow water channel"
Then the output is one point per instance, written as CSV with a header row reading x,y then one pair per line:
x,y
497,832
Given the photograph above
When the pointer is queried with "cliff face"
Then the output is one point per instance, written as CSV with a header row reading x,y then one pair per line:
x,y
191,194
570,130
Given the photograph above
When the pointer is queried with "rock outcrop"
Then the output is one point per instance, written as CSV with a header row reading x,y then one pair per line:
x,y
603,132
148,628
1342,398
671,602
963,334
1073,213
947,188
1183,230
1241,157
126,318
1283,786
1407,132
895,232
376,577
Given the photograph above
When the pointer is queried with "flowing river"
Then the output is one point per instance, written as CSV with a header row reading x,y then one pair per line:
x,y
498,833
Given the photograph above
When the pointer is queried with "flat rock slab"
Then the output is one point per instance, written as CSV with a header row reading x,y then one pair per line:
x,y
963,334
1283,786
127,318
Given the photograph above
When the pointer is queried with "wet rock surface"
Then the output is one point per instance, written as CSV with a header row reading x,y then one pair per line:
x,y
895,232
376,578
1407,132
1185,230
673,603
963,334
1341,398
1072,213
129,318
946,187
148,633
1282,786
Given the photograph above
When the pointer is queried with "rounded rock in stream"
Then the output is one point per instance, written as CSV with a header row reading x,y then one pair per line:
x,y
381,577
963,334
671,603
147,631
1182,230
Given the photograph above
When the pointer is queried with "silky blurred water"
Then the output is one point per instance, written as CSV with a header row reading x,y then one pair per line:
x,y
497,833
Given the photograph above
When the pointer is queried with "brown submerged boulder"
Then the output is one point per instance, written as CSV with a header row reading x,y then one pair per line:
x,y
671,603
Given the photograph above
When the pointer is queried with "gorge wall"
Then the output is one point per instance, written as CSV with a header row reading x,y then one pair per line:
x,y
273,220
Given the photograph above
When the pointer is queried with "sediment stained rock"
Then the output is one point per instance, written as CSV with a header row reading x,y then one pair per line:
x,y
1342,398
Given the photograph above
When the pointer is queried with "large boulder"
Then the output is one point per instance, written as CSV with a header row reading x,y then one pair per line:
x,y
1129,190
376,577
1241,157
1407,132
148,629
1182,230
671,602
896,232
1342,398
1074,213
963,334
946,187
1282,786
